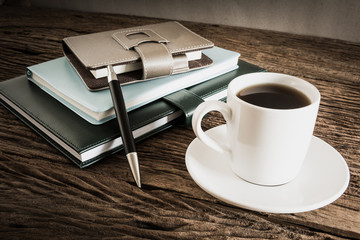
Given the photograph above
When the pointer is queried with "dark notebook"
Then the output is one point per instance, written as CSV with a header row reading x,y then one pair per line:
x,y
85,143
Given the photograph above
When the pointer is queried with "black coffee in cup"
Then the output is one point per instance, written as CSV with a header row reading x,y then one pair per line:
x,y
275,96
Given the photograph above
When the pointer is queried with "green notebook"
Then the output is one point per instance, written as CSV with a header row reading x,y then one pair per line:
x,y
85,143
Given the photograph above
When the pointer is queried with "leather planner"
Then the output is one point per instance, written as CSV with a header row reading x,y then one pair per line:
x,y
137,53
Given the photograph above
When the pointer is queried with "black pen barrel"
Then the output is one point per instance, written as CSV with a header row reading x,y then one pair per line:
x,y
122,116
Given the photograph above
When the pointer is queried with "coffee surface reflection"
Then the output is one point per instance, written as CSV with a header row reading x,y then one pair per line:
x,y
275,96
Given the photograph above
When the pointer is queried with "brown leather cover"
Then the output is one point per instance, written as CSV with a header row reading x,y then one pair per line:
x,y
160,47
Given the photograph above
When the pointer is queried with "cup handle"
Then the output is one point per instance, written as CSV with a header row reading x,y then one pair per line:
x,y
198,115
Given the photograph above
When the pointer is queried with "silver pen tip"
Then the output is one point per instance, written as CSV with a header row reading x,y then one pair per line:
x,y
134,166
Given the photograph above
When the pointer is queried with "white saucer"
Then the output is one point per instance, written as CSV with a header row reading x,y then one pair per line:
x,y
323,179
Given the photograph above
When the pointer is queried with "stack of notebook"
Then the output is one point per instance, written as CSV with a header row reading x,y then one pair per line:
x,y
52,100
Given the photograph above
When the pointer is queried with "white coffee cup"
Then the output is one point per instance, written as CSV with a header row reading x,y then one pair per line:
x,y
266,146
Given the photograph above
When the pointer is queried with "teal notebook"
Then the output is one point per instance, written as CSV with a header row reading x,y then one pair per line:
x,y
85,143
58,78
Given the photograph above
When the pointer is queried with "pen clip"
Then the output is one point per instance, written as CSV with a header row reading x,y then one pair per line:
x,y
111,74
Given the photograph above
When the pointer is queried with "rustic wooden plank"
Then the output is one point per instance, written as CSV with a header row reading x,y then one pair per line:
x,y
44,195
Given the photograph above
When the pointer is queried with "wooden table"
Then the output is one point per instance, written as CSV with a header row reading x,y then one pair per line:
x,y
43,195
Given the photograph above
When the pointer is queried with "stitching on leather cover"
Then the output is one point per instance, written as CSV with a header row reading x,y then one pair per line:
x,y
138,30
171,62
208,44
143,60
194,46
100,64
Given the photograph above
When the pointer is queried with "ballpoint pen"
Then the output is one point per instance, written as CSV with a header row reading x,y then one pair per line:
x,y
123,120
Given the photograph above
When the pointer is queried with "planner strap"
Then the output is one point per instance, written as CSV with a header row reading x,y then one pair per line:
x,y
156,59
187,101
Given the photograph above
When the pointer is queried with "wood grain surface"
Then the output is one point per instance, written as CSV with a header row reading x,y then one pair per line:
x,y
43,195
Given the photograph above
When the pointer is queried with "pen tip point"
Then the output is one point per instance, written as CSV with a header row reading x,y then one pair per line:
x,y
134,166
